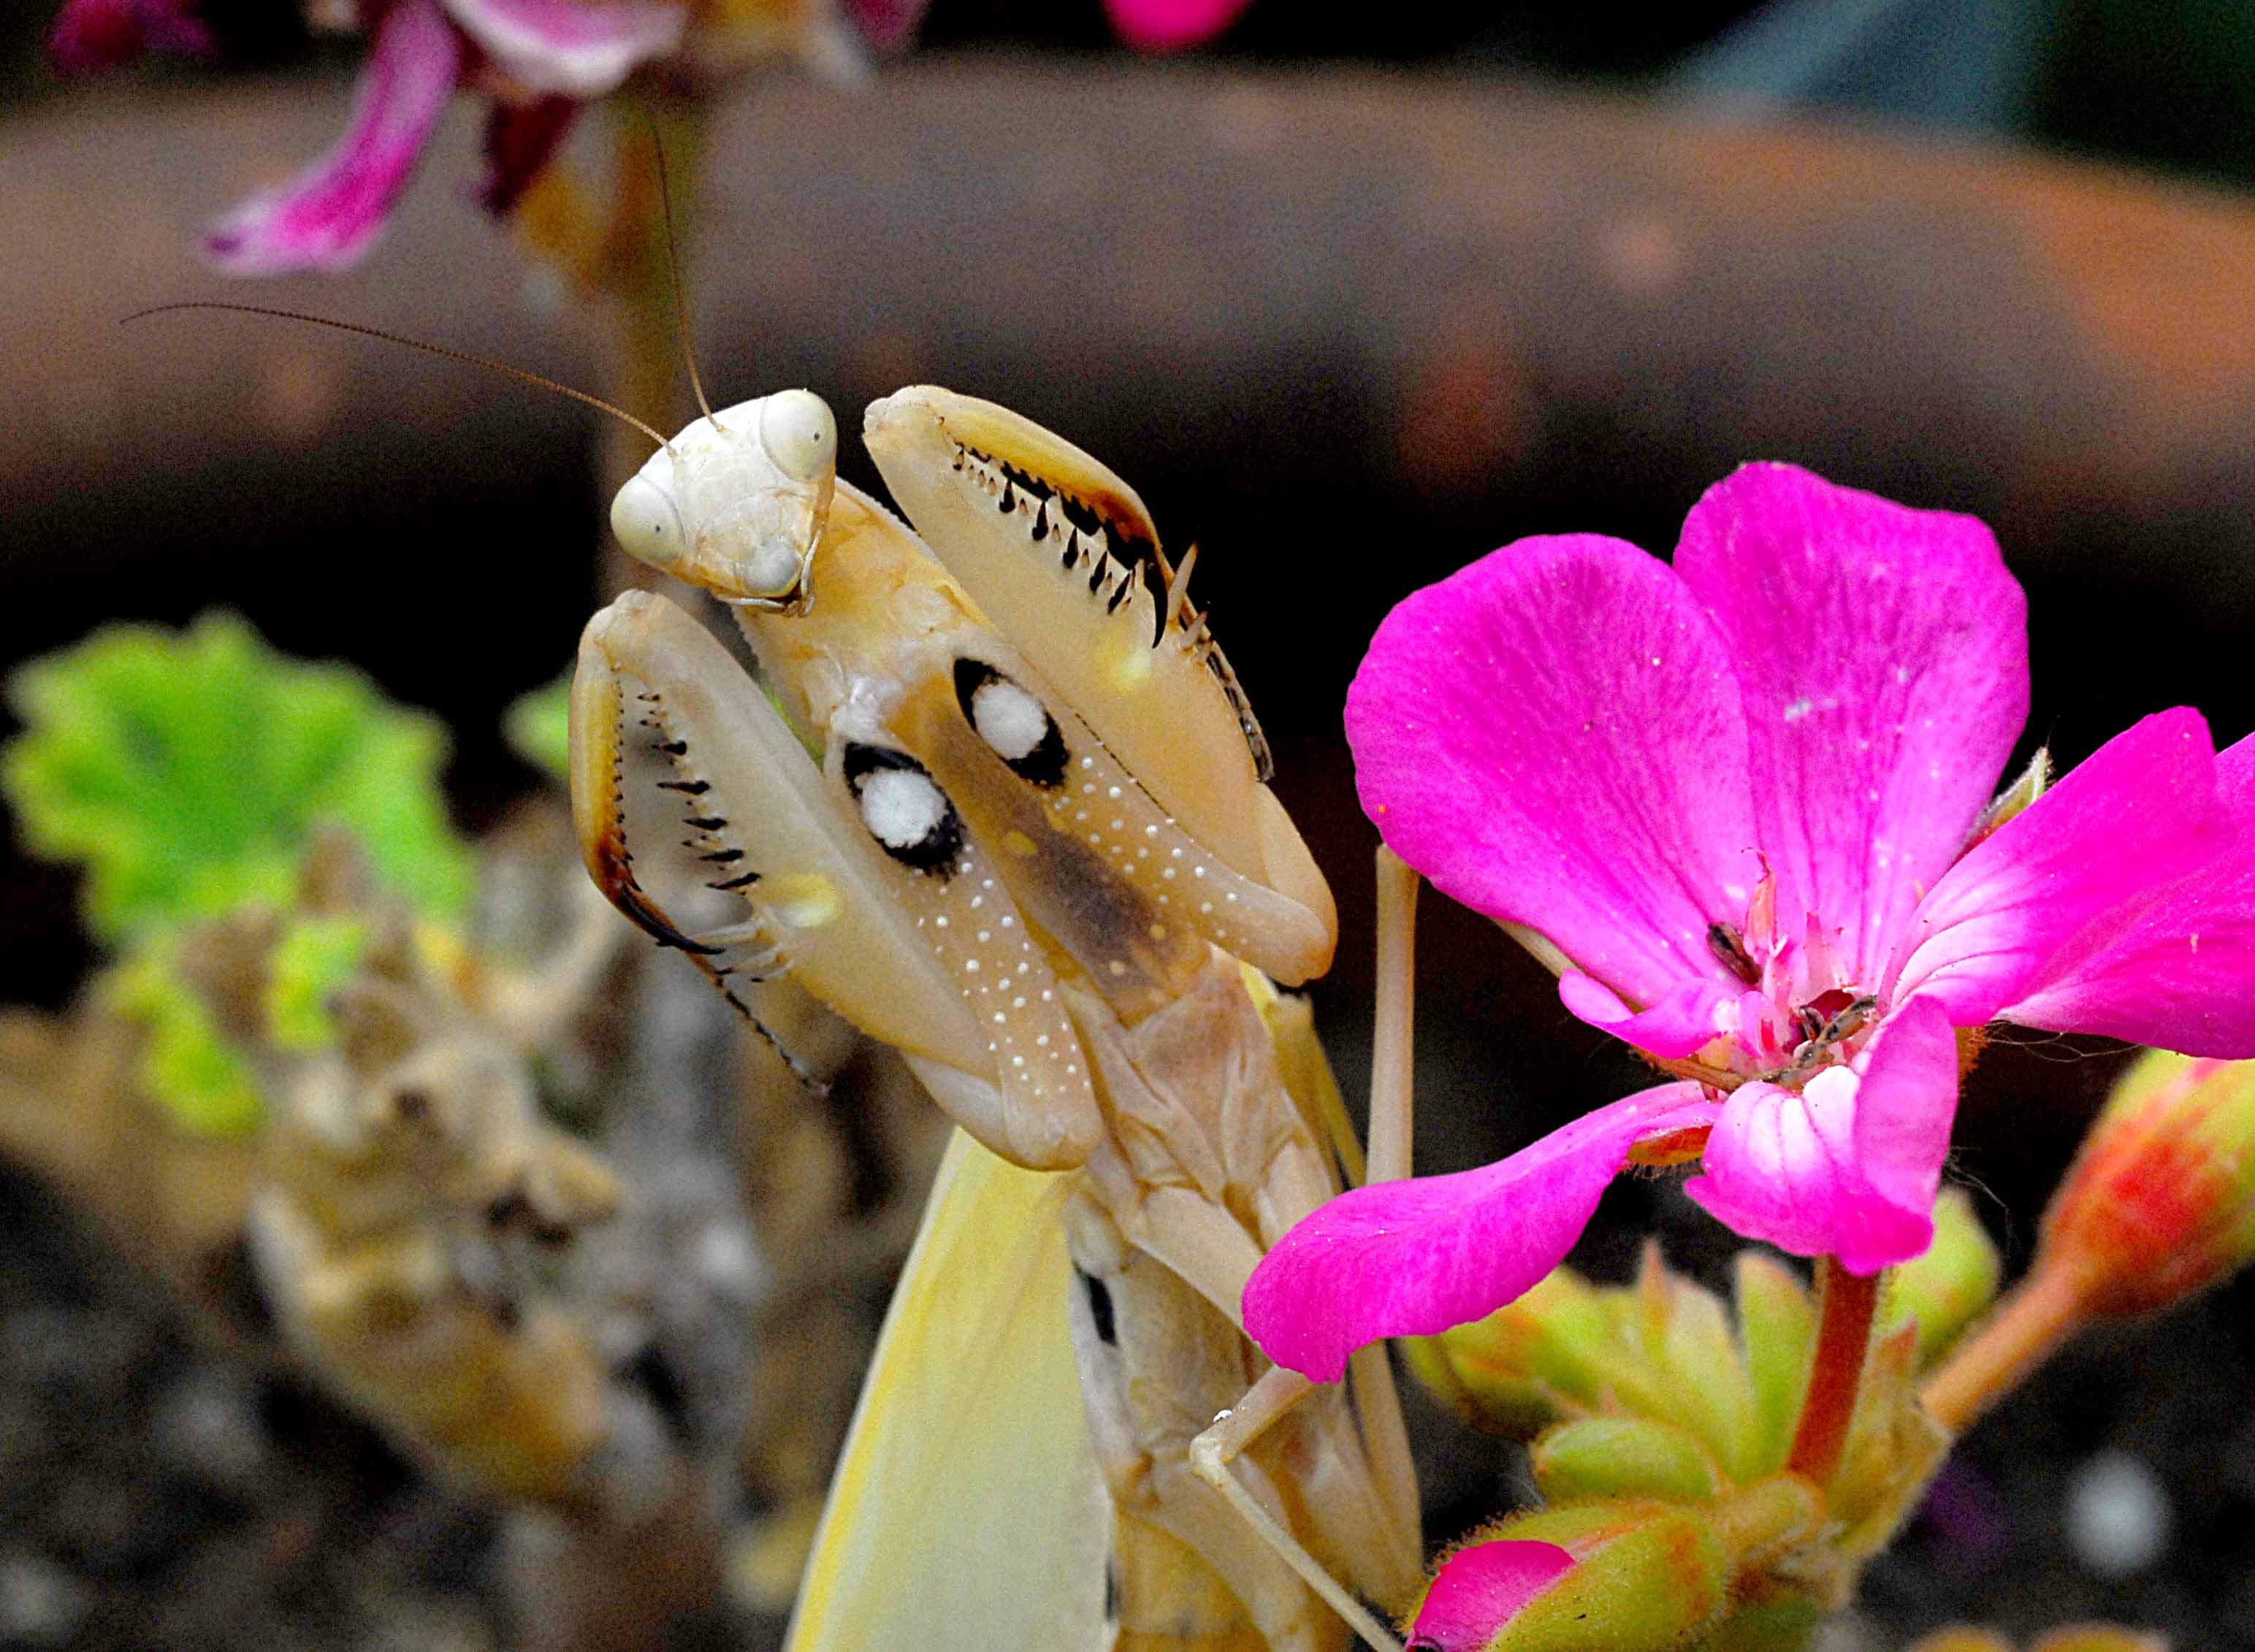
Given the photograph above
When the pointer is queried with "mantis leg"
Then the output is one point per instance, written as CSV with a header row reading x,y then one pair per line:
x,y
1390,1088
1274,1395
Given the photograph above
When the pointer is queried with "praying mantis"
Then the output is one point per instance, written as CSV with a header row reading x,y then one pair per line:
x,y
1007,811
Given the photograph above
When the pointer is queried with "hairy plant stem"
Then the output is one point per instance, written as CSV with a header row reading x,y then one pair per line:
x,y
2042,1311
1847,1305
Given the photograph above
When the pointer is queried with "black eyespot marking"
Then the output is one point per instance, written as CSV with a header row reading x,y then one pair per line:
x,y
1099,1308
904,809
1002,712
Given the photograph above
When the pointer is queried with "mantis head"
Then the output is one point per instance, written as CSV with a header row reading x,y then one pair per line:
x,y
737,502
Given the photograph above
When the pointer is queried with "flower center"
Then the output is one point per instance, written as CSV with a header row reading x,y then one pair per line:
x,y
1789,1026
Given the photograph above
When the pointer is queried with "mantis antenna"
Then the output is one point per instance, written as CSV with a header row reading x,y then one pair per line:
x,y
502,367
680,292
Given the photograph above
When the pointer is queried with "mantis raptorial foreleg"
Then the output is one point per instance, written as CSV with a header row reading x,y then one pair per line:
x,y
1214,1452
1008,811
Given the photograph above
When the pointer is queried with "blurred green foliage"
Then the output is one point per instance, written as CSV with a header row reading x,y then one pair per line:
x,y
538,728
314,957
184,772
185,1063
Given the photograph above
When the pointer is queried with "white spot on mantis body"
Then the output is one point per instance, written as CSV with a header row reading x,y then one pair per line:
x,y
901,806
1010,720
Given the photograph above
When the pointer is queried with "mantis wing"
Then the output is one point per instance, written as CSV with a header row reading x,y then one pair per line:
x,y
967,1511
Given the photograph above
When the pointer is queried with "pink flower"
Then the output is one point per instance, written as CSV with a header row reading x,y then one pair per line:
x,y
536,60
90,35
1170,25
329,214
1740,801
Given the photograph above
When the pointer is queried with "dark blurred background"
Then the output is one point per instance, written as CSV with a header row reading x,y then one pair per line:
x,y
1352,298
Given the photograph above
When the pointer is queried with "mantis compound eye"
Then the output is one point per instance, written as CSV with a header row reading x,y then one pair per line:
x,y
800,434
648,523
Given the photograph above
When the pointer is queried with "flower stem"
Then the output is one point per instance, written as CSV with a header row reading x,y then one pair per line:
x,y
1847,1304
2042,1311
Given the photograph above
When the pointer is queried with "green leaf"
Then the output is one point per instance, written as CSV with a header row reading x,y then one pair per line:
x,y
184,772
538,728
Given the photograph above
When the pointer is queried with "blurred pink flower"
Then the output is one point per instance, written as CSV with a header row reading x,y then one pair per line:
x,y
538,61
1170,25
101,34
1741,800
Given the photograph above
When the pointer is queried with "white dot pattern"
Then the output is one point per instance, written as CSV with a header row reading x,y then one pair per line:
x,y
998,968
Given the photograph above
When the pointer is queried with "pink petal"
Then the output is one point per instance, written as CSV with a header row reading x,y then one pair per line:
x,y
888,24
1882,652
1482,1587
521,139
330,213
2177,970
1850,1166
1553,735
1405,1258
1169,25
92,35
2142,813
1683,1021
563,46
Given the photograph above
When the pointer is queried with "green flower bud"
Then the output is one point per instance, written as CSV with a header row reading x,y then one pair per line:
x,y
1777,1326
1786,1622
1537,1361
2159,1203
1952,1285
1624,1456
1611,1577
